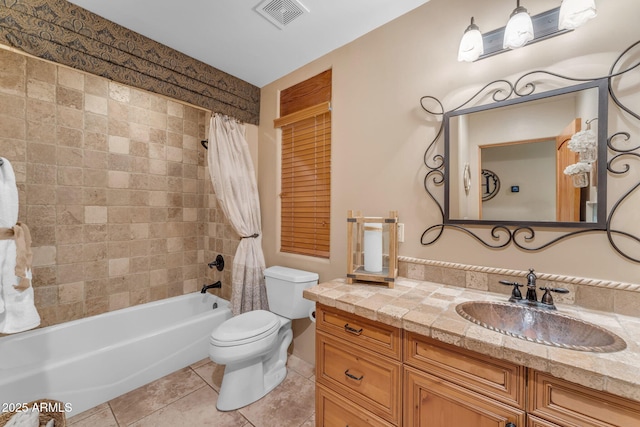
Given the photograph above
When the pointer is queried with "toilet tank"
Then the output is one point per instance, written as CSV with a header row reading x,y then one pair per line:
x,y
284,291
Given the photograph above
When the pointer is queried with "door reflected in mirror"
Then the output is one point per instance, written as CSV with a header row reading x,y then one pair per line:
x,y
518,151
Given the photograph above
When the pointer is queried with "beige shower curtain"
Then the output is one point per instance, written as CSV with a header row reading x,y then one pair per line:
x,y
234,182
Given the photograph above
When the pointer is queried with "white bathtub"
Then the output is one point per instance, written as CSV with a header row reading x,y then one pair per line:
x,y
89,361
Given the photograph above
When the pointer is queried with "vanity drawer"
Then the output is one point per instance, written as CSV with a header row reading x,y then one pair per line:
x,y
367,379
494,378
569,404
333,410
533,421
375,336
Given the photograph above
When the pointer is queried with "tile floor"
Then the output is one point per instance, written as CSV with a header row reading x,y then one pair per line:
x,y
188,398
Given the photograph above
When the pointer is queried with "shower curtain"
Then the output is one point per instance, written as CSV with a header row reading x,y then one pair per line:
x,y
234,182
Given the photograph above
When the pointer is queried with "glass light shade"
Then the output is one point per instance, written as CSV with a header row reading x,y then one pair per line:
x,y
574,13
471,45
519,29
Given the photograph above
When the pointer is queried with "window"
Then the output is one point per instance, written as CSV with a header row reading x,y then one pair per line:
x,y
305,196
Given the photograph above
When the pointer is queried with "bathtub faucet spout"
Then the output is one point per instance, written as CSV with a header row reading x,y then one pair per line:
x,y
218,284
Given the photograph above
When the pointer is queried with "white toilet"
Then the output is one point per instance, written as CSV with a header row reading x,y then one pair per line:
x,y
253,345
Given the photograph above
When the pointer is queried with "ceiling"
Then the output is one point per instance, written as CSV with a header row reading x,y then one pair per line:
x,y
231,36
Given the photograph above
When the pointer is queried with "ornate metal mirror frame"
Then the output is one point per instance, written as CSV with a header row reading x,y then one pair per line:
x,y
500,234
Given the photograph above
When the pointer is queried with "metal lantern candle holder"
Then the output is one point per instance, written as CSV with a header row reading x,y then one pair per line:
x,y
372,248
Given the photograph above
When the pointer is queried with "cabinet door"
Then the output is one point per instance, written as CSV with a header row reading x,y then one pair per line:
x,y
569,404
434,402
492,377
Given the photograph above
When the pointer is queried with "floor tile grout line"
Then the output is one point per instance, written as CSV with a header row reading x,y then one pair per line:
x,y
113,414
308,419
204,379
301,372
163,407
204,383
218,393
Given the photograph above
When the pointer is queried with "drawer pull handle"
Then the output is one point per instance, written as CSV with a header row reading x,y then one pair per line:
x,y
353,377
510,425
352,330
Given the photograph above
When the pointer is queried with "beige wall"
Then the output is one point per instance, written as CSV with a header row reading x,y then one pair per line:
x,y
380,133
80,162
114,186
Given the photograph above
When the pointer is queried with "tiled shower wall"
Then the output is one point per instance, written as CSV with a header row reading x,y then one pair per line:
x,y
113,184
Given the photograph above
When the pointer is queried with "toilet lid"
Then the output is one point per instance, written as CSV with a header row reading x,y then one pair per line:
x,y
246,327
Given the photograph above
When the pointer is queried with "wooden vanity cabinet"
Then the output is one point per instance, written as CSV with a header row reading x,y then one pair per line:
x,y
567,404
372,374
334,410
431,401
358,369
533,421
375,336
448,386
494,378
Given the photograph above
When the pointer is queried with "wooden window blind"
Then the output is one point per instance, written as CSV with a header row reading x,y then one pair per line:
x,y
306,181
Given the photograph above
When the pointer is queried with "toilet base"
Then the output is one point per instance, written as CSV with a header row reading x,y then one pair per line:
x,y
246,382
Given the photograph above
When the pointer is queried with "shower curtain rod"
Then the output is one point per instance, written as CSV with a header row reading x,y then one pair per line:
x,y
204,142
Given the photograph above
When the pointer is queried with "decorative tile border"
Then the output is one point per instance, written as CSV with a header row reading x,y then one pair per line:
x,y
522,273
604,295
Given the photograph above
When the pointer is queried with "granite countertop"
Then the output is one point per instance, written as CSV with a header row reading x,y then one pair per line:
x,y
429,309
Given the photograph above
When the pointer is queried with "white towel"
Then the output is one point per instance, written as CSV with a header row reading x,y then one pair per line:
x,y
28,418
18,312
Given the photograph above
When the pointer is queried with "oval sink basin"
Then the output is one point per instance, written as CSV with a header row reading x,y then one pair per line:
x,y
541,326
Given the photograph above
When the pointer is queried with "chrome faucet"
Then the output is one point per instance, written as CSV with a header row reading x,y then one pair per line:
x,y
532,298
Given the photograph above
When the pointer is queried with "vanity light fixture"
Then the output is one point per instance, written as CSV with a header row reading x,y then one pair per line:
x,y
524,29
471,46
574,13
519,29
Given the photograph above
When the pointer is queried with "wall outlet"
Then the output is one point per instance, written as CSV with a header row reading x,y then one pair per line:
x,y
400,232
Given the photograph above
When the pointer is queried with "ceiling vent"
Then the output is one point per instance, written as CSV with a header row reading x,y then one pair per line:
x,y
281,12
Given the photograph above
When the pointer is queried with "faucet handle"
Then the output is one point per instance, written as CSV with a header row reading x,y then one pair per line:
x,y
558,290
515,294
547,298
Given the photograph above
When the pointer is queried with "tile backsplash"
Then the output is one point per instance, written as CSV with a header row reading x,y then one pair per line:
x,y
114,186
616,297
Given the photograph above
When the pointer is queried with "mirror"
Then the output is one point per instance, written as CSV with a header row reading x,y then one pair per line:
x,y
465,176
506,161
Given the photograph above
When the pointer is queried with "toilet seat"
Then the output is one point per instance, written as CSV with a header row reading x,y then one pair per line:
x,y
245,328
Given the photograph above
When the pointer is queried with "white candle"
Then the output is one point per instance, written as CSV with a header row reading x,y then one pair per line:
x,y
373,247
